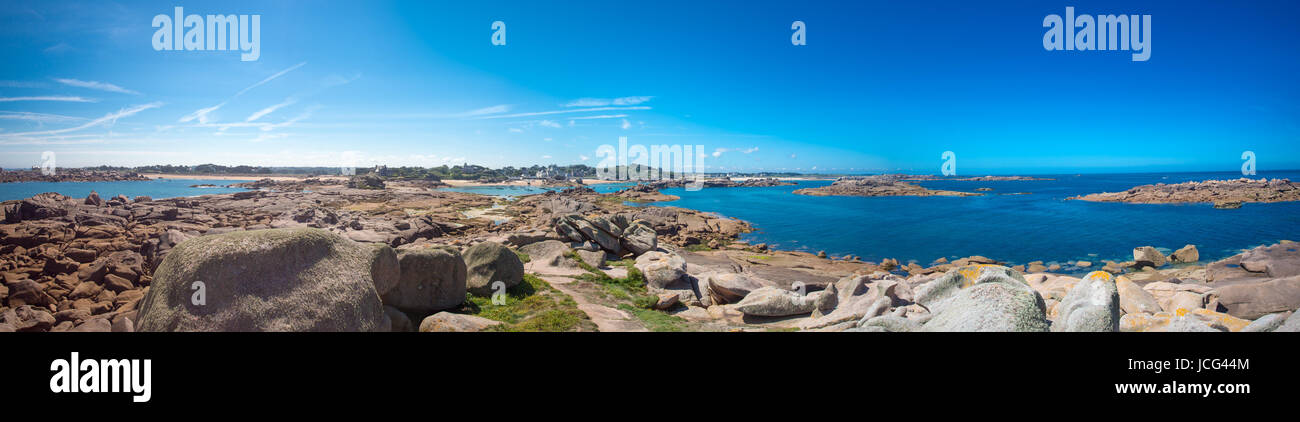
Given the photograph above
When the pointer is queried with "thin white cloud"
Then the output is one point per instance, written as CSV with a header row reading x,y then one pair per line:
x,y
516,130
287,102
63,98
546,157
270,78
108,119
583,157
201,114
600,102
603,116
101,86
549,123
626,124
576,110
496,109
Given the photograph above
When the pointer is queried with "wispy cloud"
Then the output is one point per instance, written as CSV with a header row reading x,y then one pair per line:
x,y
516,130
599,102
270,78
49,98
576,110
603,116
287,102
201,114
626,124
718,152
108,119
496,109
549,123
102,86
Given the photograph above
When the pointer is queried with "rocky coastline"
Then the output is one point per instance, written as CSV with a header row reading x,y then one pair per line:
x,y
1224,194
69,175
881,185
408,258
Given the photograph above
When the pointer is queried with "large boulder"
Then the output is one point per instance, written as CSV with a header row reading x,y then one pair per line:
x,y
1092,305
639,238
1134,299
1148,256
982,298
1199,320
488,262
774,302
448,322
384,269
1254,300
1187,253
548,253
723,288
661,270
264,280
580,229
432,279
1266,323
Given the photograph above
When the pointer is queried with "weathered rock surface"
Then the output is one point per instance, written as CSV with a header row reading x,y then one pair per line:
x,y
1254,300
1093,305
661,270
443,322
489,262
432,279
982,298
269,280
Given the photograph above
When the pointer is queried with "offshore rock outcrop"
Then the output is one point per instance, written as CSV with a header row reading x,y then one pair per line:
x,y
1226,194
883,185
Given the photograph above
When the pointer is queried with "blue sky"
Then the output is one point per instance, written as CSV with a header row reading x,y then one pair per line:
x,y
880,86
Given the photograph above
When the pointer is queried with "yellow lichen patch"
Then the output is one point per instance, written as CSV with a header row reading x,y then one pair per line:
x,y
1100,276
1233,323
1182,312
970,273
1144,322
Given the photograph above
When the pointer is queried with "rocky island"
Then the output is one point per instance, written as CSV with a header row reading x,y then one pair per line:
x,y
1223,193
881,185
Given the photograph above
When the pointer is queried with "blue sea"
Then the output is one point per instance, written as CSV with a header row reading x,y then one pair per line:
x,y
156,189
1040,225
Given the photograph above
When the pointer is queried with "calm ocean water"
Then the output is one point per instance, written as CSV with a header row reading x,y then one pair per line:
x,y
156,189
1014,228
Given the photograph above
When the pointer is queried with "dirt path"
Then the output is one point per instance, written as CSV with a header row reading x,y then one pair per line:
x,y
607,319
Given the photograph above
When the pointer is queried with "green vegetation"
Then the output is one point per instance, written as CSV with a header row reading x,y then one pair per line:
x,y
698,247
523,257
631,288
532,305
655,320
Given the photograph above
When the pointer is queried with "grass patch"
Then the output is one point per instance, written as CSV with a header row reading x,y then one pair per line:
x,y
523,257
761,257
655,320
698,247
532,305
631,288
